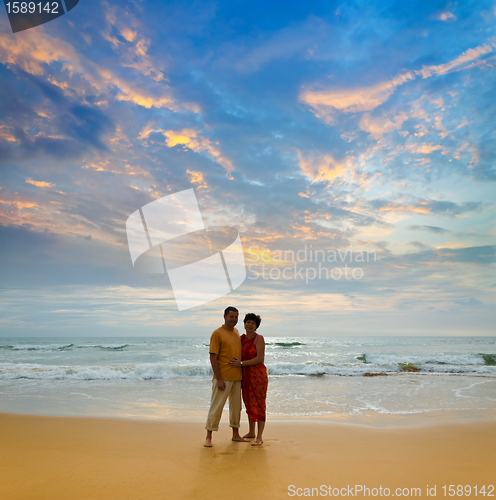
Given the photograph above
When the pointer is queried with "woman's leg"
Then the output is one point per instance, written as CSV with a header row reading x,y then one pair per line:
x,y
251,432
258,441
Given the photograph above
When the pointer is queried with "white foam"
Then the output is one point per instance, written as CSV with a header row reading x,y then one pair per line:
x,y
36,371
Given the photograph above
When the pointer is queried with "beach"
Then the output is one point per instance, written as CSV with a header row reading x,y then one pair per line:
x,y
123,418
115,459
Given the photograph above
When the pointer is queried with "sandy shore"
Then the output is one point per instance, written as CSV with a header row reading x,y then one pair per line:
x,y
54,458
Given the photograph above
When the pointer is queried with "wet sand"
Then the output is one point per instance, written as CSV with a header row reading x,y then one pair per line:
x,y
67,458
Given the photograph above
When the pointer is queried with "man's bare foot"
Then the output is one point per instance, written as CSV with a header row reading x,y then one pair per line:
x,y
208,443
249,436
239,439
257,442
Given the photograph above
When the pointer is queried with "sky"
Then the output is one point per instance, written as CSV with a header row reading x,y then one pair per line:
x,y
361,130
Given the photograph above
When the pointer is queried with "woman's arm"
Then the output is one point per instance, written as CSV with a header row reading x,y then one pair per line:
x,y
259,358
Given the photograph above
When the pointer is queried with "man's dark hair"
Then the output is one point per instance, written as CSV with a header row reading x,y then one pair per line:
x,y
229,309
253,317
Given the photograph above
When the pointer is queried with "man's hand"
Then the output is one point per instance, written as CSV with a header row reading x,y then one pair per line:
x,y
221,385
235,362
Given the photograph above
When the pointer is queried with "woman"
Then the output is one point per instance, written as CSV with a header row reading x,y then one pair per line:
x,y
255,380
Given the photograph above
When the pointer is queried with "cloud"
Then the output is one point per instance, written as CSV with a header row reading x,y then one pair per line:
x,y
30,258
432,229
482,255
325,103
16,209
32,50
376,127
63,131
423,148
460,63
196,178
441,208
320,167
444,16
6,134
41,184
128,34
122,31
88,124
292,41
190,139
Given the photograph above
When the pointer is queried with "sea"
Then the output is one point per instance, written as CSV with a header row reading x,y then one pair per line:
x,y
169,378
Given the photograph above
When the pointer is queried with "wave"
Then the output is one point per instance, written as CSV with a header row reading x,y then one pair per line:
x,y
430,359
23,347
369,369
103,346
365,365
489,359
286,344
60,347
149,371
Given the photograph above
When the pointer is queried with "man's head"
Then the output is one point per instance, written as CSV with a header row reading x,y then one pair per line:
x,y
230,317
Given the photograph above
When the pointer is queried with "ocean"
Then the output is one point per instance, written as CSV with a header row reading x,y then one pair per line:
x,y
164,378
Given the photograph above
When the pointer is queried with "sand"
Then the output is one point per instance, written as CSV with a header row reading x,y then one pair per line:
x,y
66,458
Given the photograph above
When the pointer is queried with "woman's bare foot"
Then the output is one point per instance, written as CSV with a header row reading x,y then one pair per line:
x,y
249,435
257,442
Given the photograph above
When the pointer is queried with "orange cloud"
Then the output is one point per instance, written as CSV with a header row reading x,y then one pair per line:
x,y
189,138
31,50
459,63
326,103
6,135
141,97
472,150
444,16
424,148
41,184
128,34
196,178
376,127
399,208
320,167
20,204
17,210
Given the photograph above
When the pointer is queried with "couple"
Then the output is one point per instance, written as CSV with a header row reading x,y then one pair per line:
x,y
238,363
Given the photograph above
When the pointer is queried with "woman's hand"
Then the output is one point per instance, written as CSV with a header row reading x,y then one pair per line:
x,y
235,362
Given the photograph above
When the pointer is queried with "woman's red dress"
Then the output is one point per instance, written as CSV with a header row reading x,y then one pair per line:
x,y
255,381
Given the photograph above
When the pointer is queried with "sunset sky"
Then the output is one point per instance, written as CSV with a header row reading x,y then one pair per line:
x,y
320,125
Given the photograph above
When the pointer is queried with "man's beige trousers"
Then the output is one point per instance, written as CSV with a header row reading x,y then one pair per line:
x,y
219,398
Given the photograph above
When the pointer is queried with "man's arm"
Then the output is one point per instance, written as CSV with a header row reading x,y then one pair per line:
x,y
215,367
259,358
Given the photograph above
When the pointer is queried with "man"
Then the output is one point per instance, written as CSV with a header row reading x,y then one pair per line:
x,y
225,344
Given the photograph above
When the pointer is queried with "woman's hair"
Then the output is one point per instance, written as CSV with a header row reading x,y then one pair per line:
x,y
253,317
